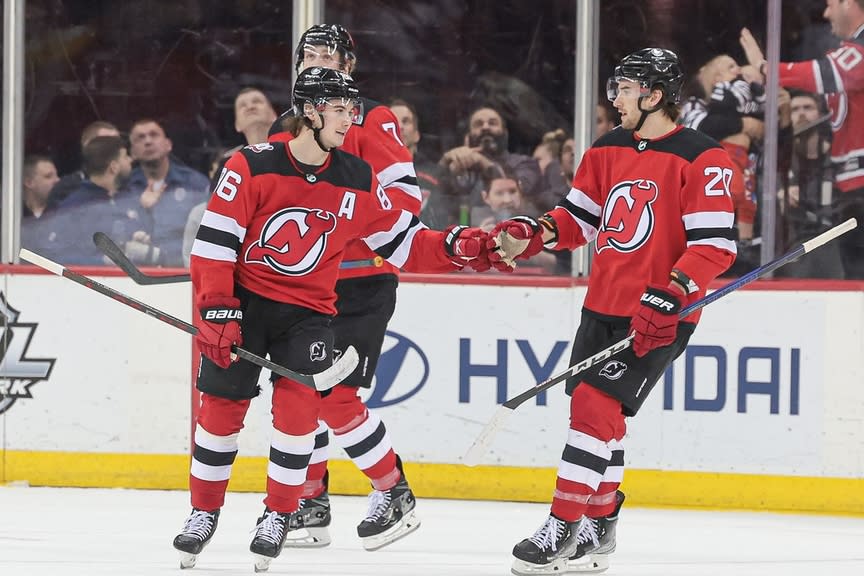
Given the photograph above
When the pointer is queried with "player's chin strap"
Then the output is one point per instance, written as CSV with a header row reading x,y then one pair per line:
x,y
644,113
316,133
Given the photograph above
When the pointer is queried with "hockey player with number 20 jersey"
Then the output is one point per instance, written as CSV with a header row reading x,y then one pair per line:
x,y
655,198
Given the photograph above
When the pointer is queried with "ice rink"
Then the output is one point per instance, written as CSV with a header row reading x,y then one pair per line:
x,y
60,531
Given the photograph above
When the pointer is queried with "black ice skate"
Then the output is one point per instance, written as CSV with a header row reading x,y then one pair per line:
x,y
547,551
390,517
596,541
196,534
269,538
308,527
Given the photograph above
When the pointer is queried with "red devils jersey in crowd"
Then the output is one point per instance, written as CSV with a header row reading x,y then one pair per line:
x,y
840,76
377,140
651,206
280,229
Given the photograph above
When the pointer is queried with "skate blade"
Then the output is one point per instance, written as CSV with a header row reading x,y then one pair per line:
x,y
586,565
308,538
407,525
262,563
187,560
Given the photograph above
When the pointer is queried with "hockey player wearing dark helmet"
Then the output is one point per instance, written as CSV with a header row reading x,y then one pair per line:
x,y
321,43
319,88
652,69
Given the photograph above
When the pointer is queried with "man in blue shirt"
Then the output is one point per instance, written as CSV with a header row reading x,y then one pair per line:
x,y
167,190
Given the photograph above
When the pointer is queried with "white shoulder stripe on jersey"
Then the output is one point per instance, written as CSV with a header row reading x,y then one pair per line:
x,y
224,224
817,76
394,172
708,220
721,243
379,239
582,200
400,255
410,189
213,251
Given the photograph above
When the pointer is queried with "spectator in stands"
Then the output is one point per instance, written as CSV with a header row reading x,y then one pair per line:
x,y
39,178
167,190
485,150
606,119
808,202
100,204
71,182
548,156
253,116
436,212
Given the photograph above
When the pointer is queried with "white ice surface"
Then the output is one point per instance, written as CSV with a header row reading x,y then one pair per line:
x,y
65,531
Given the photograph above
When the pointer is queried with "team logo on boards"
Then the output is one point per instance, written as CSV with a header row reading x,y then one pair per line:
x,y
401,372
293,240
17,372
627,217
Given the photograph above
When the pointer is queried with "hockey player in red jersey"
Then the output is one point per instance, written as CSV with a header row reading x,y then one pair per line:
x,y
839,75
655,198
366,300
264,265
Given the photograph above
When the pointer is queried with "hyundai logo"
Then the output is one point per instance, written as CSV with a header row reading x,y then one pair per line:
x,y
401,372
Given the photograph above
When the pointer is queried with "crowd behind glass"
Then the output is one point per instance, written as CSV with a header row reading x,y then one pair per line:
x,y
126,125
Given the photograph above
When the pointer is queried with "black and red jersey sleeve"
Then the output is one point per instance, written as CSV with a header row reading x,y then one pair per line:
x,y
839,71
380,144
578,214
708,216
222,230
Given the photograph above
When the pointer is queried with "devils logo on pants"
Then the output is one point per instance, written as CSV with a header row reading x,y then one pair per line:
x,y
628,219
293,240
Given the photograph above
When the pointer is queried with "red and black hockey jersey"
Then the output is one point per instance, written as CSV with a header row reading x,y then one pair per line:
x,y
839,75
651,206
378,141
280,229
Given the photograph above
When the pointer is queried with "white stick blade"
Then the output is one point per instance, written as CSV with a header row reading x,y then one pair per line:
x,y
40,261
487,435
338,372
829,235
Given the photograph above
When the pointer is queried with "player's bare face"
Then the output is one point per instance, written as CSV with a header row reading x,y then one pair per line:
x,y
338,116
322,57
627,103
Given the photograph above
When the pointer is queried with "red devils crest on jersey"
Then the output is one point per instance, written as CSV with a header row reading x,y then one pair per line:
x,y
293,240
628,219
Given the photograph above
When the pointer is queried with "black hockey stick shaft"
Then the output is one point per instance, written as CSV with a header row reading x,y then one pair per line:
x,y
116,255
322,381
499,419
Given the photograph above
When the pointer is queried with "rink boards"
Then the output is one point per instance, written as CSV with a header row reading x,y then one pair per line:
x,y
765,410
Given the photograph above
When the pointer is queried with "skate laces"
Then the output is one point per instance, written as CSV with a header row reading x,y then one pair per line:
x,y
548,534
271,527
198,524
587,531
378,503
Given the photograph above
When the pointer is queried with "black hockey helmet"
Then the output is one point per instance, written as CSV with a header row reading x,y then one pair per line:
x,y
333,36
318,85
651,68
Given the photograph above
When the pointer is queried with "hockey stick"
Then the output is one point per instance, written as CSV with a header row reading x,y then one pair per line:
x,y
496,423
325,380
116,255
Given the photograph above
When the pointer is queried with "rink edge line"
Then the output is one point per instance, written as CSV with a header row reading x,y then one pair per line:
x,y
652,488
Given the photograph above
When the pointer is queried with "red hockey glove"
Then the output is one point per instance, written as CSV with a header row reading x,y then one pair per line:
x,y
656,322
518,237
219,328
467,246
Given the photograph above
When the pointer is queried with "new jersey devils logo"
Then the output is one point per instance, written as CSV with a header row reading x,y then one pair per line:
x,y
293,240
628,219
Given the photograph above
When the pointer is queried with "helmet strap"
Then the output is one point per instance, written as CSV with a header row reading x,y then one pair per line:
x,y
644,113
316,133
